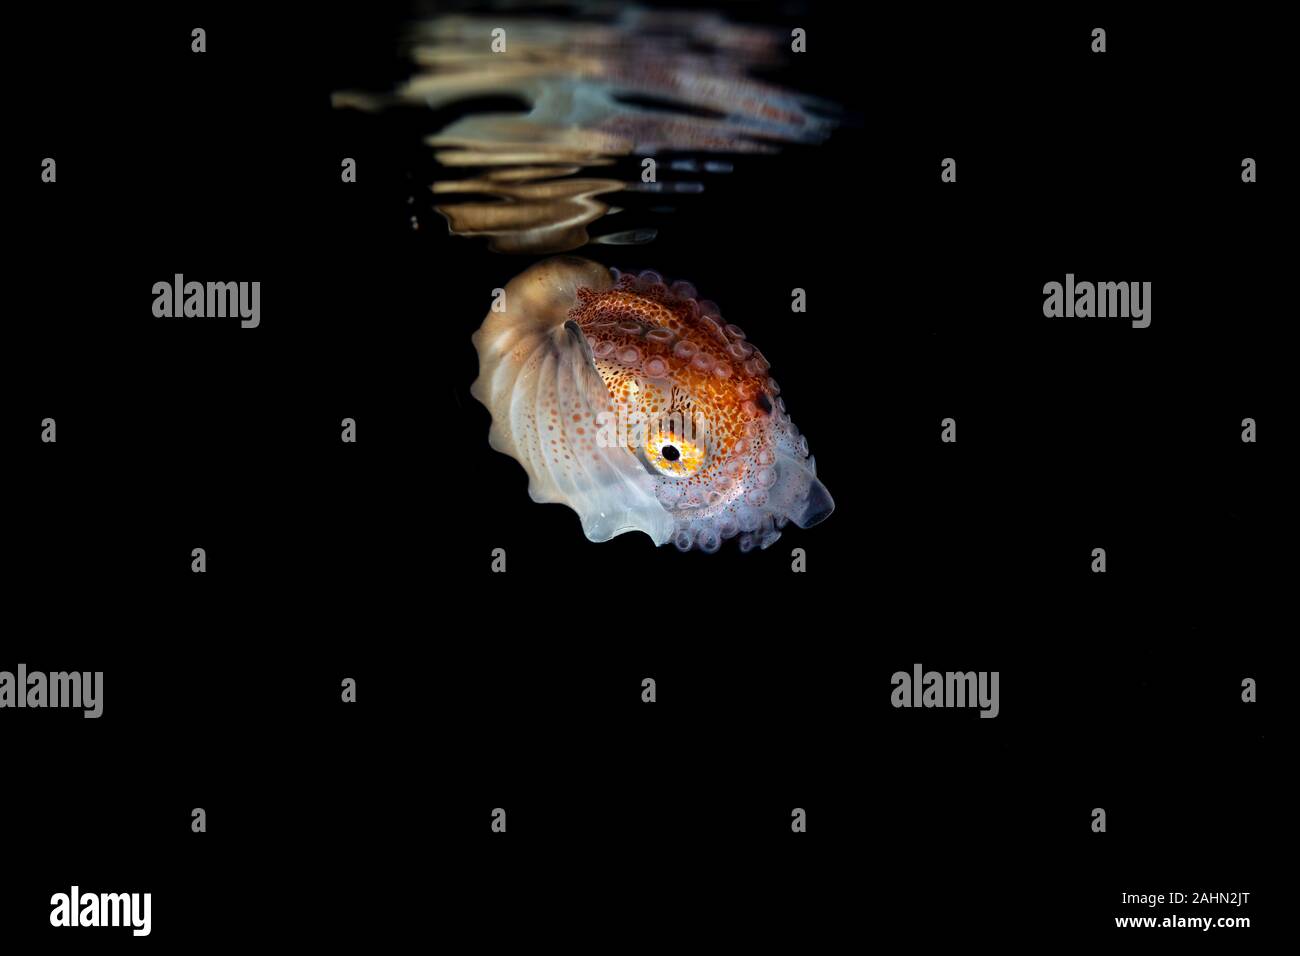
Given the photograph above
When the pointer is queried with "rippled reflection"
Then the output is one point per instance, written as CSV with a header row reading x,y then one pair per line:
x,y
627,82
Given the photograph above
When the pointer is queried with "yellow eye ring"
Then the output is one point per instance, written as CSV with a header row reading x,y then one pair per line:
x,y
673,454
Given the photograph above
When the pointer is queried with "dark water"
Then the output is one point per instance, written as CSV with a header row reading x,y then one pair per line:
x,y
924,302
927,303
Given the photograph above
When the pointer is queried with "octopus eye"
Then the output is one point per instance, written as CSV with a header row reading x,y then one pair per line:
x,y
673,454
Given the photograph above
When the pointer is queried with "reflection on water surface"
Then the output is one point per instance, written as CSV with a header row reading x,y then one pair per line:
x,y
601,88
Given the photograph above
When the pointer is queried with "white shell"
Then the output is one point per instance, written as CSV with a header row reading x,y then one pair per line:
x,y
535,374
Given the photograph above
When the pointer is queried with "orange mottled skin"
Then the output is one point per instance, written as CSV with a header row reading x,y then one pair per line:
x,y
688,360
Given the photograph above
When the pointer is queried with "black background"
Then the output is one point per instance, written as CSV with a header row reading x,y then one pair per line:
x,y
668,822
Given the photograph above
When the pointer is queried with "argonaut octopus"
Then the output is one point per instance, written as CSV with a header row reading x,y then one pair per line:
x,y
634,403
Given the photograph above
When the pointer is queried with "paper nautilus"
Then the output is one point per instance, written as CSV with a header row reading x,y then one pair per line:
x,y
635,404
